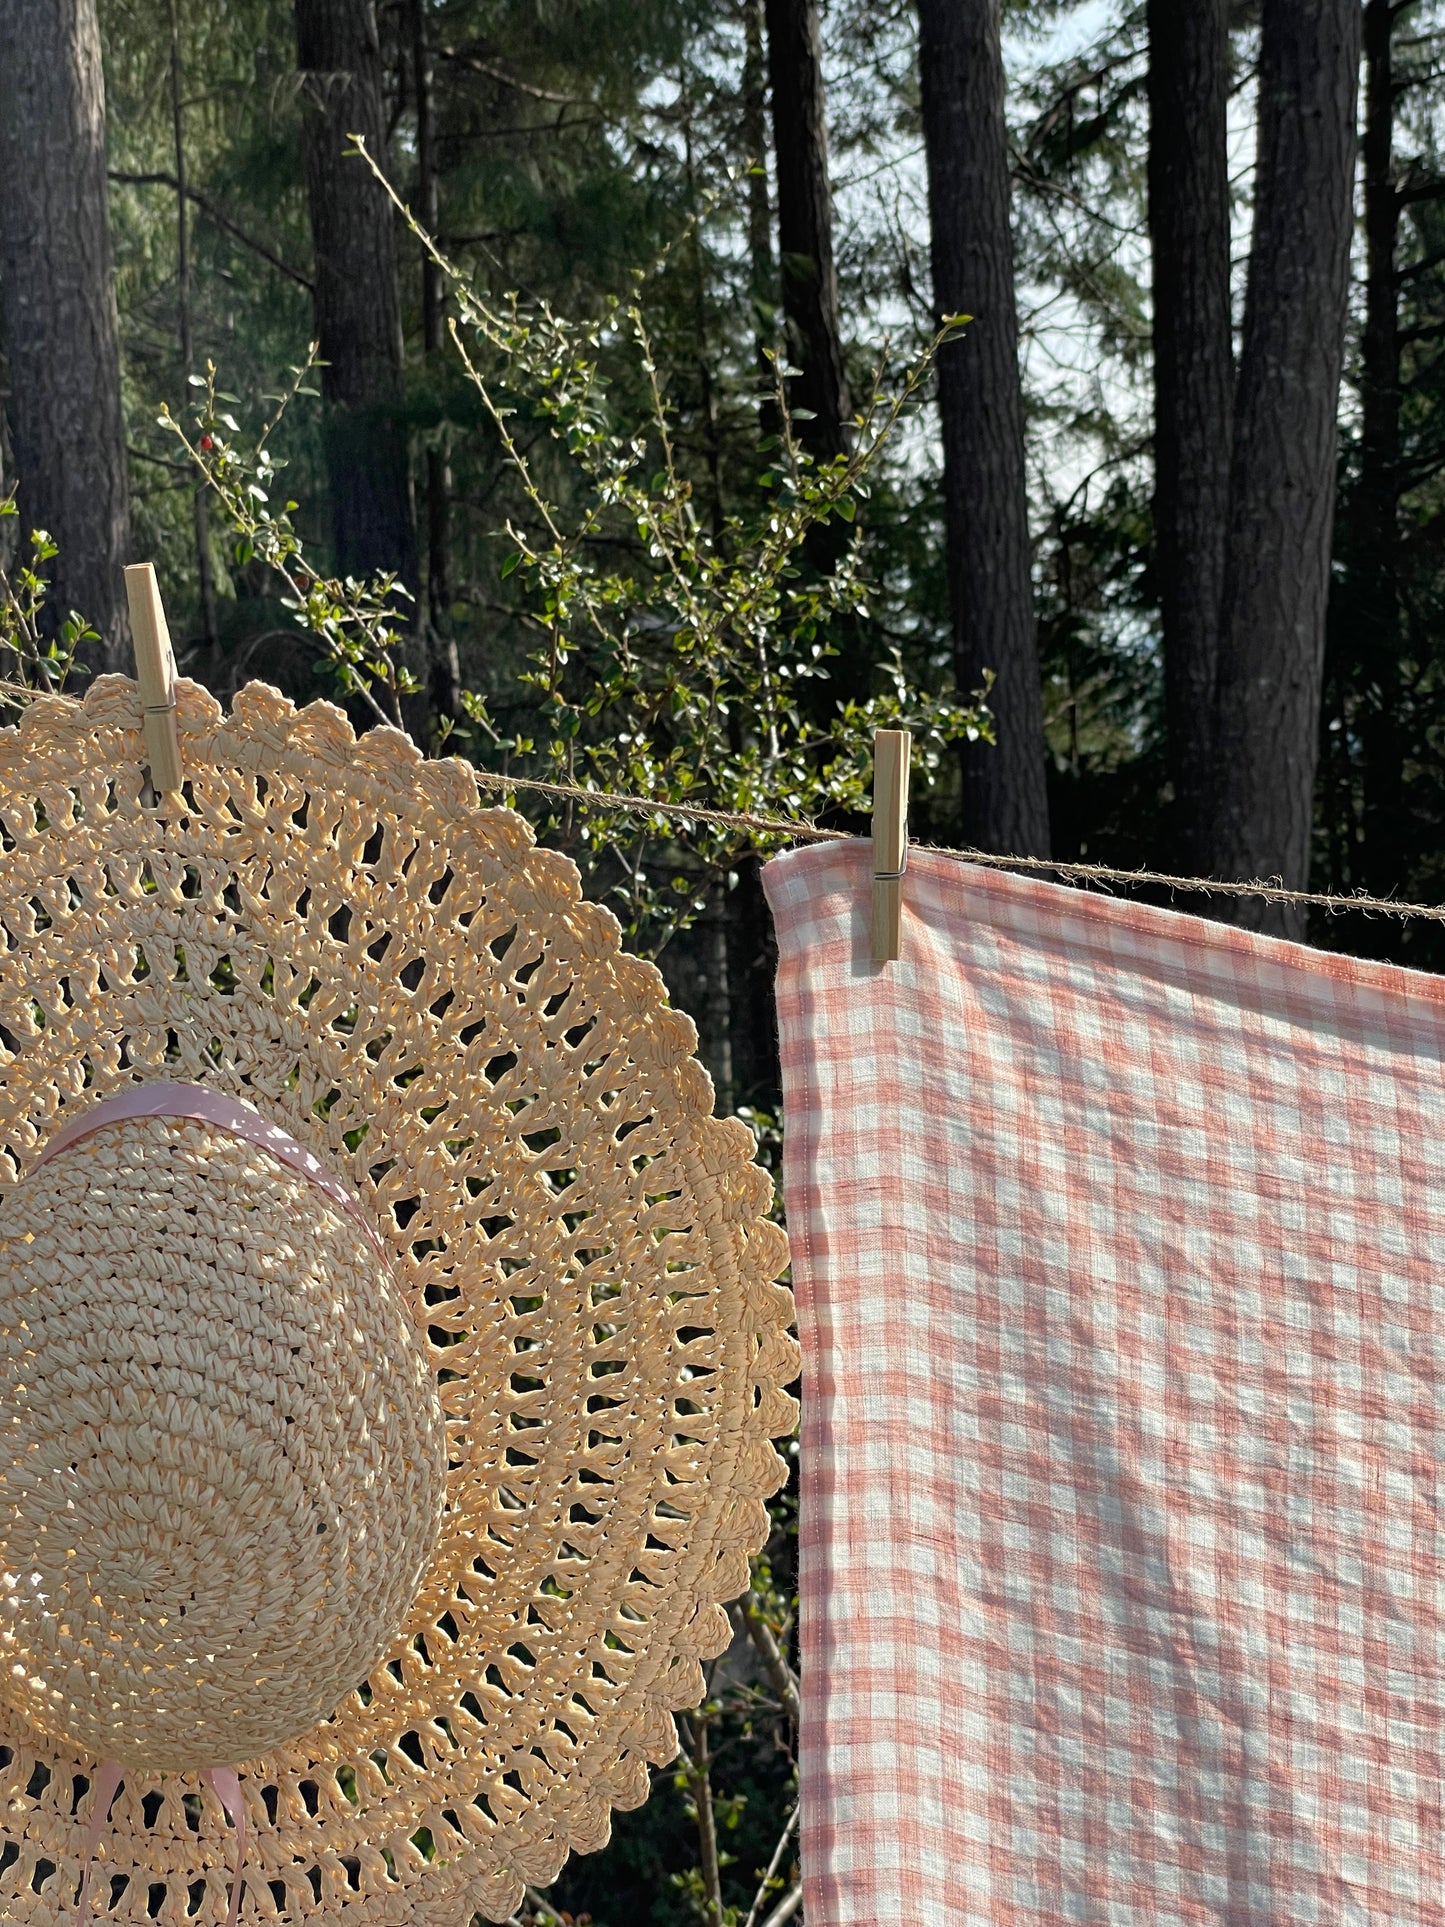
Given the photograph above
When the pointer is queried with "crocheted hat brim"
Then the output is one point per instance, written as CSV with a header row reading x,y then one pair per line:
x,y
333,930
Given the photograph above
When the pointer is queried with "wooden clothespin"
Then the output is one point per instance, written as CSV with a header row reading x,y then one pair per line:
x,y
155,672
892,750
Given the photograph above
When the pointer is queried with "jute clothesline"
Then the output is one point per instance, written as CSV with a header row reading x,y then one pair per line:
x,y
1070,872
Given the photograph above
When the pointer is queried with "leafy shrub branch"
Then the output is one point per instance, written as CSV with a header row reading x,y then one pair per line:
x,y
33,663
679,656
361,626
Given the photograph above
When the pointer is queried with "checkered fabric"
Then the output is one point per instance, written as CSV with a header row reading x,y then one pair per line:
x,y
1120,1255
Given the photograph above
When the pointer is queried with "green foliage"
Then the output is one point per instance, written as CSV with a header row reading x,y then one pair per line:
x,y
360,626
248,299
672,651
32,664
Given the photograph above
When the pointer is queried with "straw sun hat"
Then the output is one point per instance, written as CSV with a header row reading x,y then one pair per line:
x,y
389,1341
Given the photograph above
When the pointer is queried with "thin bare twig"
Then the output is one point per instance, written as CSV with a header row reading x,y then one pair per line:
x,y
462,58
786,1908
698,1771
218,217
784,1680
767,1880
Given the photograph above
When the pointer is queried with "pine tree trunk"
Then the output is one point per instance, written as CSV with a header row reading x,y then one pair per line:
x,y
1283,480
762,275
809,284
981,404
358,302
200,492
1193,378
444,664
1375,535
718,1002
57,305
805,223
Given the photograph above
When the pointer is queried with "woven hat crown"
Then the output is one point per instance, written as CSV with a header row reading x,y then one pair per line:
x,y
222,1457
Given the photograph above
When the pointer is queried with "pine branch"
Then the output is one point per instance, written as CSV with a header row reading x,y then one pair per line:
x,y
217,217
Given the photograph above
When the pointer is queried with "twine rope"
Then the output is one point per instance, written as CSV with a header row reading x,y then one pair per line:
x,y
1082,873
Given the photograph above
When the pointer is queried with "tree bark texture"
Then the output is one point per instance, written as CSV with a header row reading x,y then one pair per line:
x,y
1189,68
755,140
762,276
57,306
1283,480
444,664
805,224
357,299
1374,539
718,1002
1380,358
200,493
809,284
990,576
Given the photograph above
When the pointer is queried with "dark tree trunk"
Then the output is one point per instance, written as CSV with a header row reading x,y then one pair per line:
x,y
762,275
57,304
981,404
358,303
805,223
718,1025
1374,538
200,508
1193,378
701,334
809,285
445,667
753,969
755,150
1283,480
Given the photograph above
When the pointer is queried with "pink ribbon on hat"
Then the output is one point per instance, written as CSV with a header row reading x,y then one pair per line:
x,y
203,1106
222,1781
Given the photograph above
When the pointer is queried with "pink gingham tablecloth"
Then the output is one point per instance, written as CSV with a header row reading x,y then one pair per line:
x,y
1120,1255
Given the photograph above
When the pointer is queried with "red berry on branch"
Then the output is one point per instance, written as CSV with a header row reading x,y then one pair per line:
x,y
206,442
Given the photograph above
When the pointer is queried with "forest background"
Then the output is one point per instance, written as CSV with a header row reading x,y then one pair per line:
x,y
668,465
